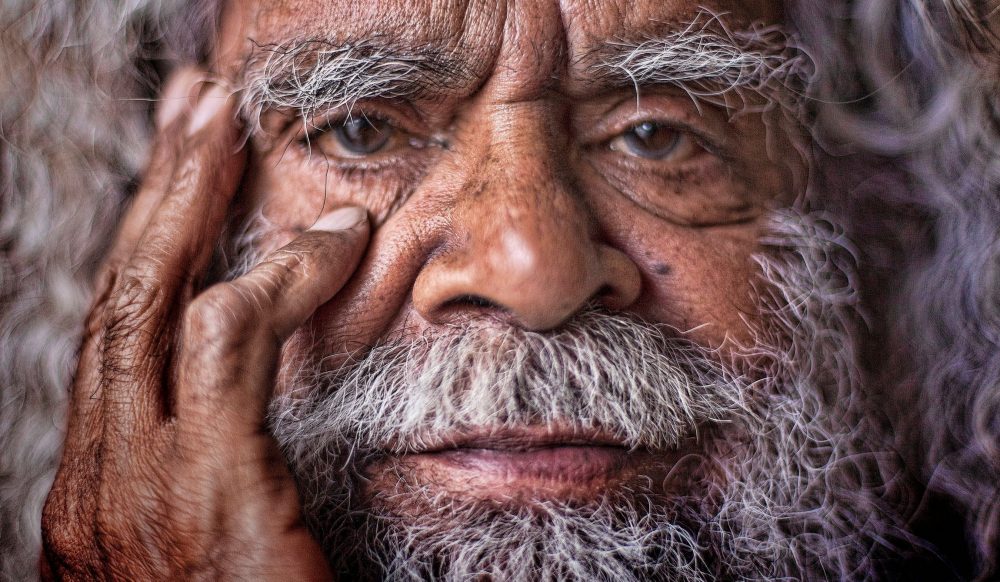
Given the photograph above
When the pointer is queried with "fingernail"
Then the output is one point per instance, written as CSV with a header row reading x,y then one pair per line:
x,y
211,103
342,219
176,96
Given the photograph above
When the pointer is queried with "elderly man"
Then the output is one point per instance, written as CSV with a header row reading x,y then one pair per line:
x,y
470,290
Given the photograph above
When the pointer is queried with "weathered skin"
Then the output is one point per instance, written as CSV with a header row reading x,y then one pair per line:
x,y
167,469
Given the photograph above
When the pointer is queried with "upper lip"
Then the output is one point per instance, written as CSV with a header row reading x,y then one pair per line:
x,y
521,439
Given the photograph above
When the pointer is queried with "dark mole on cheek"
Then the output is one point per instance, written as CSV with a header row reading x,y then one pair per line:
x,y
661,269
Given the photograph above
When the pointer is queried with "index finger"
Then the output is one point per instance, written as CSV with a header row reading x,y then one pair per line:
x,y
234,331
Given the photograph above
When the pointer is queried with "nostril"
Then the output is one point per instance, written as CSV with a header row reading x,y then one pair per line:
x,y
609,297
471,301
469,305
605,296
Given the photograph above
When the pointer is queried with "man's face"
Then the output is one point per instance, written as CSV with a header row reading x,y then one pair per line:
x,y
568,197
520,176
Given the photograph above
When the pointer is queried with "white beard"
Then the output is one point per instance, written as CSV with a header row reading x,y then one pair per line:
x,y
800,497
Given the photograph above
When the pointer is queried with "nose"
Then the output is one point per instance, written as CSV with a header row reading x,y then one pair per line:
x,y
521,242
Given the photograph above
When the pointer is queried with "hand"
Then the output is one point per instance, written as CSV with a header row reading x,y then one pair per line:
x,y
168,471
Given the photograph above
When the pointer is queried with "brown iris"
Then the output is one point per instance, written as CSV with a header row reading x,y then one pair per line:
x,y
651,140
361,135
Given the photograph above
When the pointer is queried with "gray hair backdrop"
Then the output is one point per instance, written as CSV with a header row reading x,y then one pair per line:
x,y
921,96
916,84
76,82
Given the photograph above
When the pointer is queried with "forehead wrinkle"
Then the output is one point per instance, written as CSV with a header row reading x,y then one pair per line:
x,y
532,51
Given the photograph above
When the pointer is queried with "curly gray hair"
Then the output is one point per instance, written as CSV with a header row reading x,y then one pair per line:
x,y
78,76
918,83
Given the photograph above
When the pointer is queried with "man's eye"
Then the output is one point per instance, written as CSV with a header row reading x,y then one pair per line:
x,y
356,136
363,136
654,141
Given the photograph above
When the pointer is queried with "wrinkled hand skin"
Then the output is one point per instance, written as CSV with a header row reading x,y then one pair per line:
x,y
167,471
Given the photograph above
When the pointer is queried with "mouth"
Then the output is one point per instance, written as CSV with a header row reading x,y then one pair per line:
x,y
530,463
526,438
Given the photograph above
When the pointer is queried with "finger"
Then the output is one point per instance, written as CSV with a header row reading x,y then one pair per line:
x,y
179,238
173,249
171,119
234,331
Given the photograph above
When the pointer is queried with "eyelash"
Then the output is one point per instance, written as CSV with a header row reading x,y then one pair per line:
x,y
349,167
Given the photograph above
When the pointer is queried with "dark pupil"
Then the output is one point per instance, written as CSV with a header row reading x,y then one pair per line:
x,y
652,140
361,135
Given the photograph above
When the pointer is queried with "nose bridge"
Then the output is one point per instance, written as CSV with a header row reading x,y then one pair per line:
x,y
522,196
526,226
520,237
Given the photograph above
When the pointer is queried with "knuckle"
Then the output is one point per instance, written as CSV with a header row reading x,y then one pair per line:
x,y
275,273
187,174
311,251
133,301
192,179
328,246
131,321
101,523
218,317
288,259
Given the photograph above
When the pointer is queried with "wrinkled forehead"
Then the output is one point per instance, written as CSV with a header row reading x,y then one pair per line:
x,y
536,38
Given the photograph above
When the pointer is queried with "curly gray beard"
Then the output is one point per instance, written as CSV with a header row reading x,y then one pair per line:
x,y
803,477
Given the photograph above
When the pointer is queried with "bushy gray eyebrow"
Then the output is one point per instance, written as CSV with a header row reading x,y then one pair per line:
x,y
709,62
314,75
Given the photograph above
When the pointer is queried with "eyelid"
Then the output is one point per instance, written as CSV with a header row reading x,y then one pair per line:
x,y
406,122
700,137
707,126
314,131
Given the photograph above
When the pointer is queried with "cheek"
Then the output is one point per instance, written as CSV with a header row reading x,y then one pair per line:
x,y
293,190
702,282
696,279
693,278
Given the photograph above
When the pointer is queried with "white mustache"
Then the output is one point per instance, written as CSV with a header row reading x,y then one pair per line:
x,y
642,384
